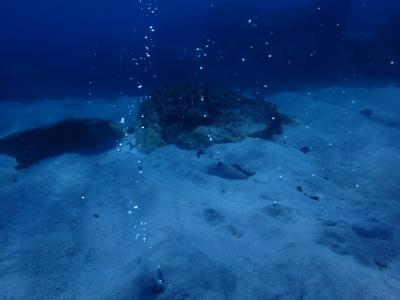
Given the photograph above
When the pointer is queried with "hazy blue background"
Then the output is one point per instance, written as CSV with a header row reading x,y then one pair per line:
x,y
55,47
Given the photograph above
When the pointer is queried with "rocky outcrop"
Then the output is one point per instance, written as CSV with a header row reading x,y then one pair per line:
x,y
70,135
194,117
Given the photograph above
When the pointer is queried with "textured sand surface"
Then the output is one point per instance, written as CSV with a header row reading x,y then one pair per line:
x,y
317,225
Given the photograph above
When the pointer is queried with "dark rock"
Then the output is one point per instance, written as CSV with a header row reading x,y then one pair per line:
x,y
300,189
95,216
84,136
366,112
316,198
195,117
305,150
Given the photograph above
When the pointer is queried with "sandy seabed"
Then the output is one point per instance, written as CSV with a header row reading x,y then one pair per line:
x,y
317,225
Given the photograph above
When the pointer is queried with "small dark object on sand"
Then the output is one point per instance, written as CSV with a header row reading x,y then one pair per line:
x,y
366,112
305,150
299,188
84,136
316,198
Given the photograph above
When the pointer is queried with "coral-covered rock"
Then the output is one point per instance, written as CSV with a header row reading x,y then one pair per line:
x,y
194,116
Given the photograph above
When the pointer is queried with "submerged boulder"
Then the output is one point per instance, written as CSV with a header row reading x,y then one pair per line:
x,y
70,135
194,117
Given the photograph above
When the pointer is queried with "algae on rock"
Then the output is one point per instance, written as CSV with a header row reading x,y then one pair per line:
x,y
196,116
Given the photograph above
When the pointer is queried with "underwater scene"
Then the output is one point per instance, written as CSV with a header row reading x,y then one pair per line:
x,y
200,149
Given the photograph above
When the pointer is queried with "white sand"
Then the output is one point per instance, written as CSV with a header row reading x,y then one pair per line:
x,y
213,238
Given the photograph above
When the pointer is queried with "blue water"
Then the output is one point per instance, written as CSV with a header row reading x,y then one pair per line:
x,y
73,43
311,212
